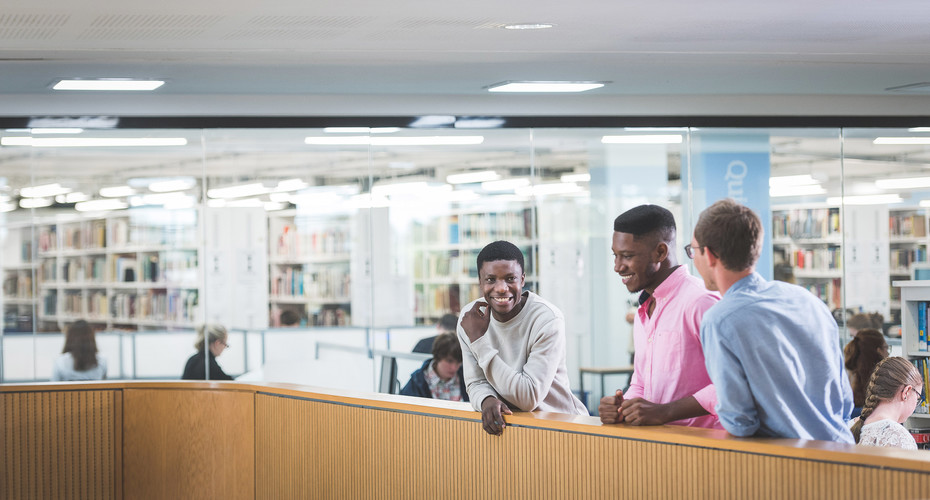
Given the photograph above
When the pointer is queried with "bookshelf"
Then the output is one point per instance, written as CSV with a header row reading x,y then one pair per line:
x,y
309,267
807,248
915,304
908,242
128,270
445,250
18,294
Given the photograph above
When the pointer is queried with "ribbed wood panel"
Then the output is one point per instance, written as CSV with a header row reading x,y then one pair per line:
x,y
307,449
60,444
188,444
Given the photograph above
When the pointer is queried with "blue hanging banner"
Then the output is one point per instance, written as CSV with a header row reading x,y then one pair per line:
x,y
738,167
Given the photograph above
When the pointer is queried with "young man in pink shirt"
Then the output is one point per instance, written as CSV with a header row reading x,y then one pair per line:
x,y
670,382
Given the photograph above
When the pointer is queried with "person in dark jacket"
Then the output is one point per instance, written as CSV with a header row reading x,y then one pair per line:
x,y
441,376
215,336
447,323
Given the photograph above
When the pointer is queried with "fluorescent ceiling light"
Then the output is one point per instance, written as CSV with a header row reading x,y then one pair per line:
x,y
92,142
35,202
240,191
901,140
528,26
792,180
925,203
869,199
290,185
56,130
168,185
575,178
43,191
72,197
246,202
480,123
158,199
408,188
364,140
544,86
919,129
470,177
548,189
271,206
116,191
367,201
100,205
642,139
7,207
360,130
108,84
505,184
913,182
807,190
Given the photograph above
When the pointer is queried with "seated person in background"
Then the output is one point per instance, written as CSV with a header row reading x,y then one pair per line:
x,y
446,323
216,343
441,376
79,359
861,321
513,344
289,318
894,392
862,353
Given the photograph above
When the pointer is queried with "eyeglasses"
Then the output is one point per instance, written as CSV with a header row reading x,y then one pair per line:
x,y
920,396
224,344
689,250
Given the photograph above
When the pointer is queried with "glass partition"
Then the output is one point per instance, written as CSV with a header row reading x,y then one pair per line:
x,y
319,248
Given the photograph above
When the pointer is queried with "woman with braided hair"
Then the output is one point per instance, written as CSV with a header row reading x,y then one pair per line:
x,y
861,354
894,391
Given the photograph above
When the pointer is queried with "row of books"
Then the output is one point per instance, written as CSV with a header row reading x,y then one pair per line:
x,y
828,291
922,323
904,257
912,225
18,285
84,235
84,269
478,228
126,232
816,258
806,223
321,283
331,316
176,305
294,242
436,300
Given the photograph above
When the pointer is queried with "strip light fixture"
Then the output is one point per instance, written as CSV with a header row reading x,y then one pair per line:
x,y
912,182
108,84
544,86
901,140
92,142
364,140
642,139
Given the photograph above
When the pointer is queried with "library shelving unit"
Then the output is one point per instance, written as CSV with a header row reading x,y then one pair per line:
x,y
807,244
309,260
915,304
127,270
18,294
445,250
908,240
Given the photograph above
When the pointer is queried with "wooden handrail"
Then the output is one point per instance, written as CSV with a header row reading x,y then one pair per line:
x,y
255,440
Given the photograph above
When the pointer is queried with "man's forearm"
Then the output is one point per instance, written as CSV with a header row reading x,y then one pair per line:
x,y
684,408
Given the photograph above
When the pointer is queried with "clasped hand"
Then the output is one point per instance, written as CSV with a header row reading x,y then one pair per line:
x,y
636,411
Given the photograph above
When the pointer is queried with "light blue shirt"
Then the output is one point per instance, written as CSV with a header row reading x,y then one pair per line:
x,y
771,351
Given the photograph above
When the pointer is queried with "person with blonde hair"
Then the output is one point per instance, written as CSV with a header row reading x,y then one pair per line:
x,y
211,337
79,359
895,390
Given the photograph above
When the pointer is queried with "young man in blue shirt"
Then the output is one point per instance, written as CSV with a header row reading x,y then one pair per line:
x,y
771,348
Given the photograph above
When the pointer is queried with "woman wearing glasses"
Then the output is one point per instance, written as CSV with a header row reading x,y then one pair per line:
x,y
215,336
894,392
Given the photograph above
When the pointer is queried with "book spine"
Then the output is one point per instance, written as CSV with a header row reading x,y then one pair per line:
x,y
922,326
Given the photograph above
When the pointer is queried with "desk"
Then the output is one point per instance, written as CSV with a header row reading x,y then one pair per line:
x,y
618,370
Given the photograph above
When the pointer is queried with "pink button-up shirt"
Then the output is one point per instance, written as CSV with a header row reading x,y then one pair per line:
x,y
669,361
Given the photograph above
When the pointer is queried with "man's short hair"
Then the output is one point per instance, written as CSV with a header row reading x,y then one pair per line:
x,y
733,232
446,345
448,322
500,250
647,220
